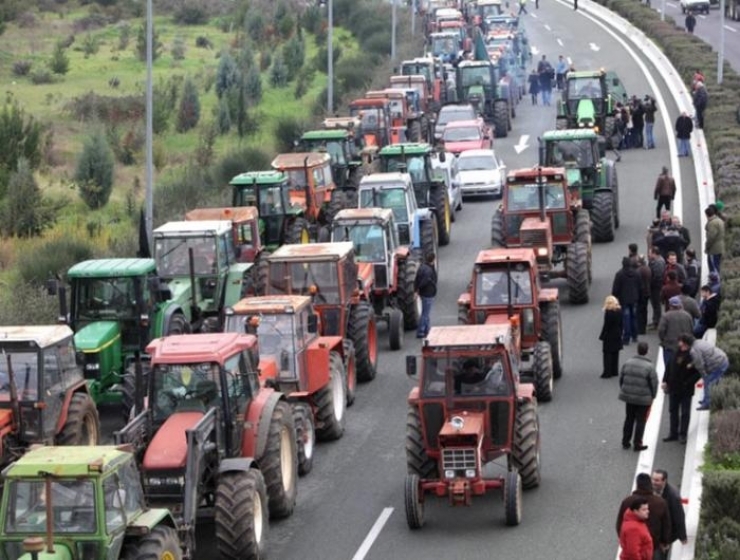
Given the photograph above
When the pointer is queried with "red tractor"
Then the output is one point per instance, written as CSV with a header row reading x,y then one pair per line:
x,y
375,122
213,440
408,121
328,273
315,373
506,285
540,211
468,410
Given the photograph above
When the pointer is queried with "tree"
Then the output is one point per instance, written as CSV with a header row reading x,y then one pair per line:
x,y
188,113
141,43
24,213
227,74
278,72
94,173
253,86
20,137
59,63
294,54
224,116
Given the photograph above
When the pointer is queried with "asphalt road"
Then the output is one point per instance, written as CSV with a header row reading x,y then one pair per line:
x,y
351,505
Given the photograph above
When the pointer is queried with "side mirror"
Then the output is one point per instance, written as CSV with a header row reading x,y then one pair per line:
x,y
411,366
313,324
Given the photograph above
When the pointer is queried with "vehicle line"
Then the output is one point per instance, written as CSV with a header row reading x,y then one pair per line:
x,y
373,534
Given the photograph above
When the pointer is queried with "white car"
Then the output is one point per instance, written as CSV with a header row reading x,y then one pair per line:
x,y
481,173
696,6
448,170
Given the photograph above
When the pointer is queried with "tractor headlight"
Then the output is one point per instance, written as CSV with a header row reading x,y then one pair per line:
x,y
449,474
541,251
93,366
470,473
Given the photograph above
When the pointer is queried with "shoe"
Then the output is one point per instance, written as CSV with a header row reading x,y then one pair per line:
x,y
604,376
702,407
670,438
682,440
638,448
634,340
626,446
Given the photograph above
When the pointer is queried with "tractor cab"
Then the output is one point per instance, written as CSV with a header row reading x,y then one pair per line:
x,y
375,121
589,100
343,146
445,45
310,181
244,228
435,76
395,192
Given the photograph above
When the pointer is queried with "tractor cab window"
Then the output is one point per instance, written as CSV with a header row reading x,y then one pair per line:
x,y
25,368
396,108
235,371
184,388
100,298
319,178
434,377
526,196
225,250
368,240
416,167
244,234
481,376
297,180
277,339
475,76
584,88
173,255
393,198
493,286
571,153
317,279
335,148
271,203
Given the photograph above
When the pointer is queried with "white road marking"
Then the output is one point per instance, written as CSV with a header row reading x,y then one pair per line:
x,y
730,28
671,4
560,42
594,47
523,144
535,50
570,61
547,27
373,534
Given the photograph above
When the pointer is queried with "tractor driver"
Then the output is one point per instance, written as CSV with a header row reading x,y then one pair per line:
x,y
495,286
477,380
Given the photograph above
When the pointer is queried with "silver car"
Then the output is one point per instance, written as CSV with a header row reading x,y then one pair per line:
x,y
450,113
480,172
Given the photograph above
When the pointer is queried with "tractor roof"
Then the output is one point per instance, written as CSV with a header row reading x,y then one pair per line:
x,y
426,60
329,134
570,134
502,255
392,179
111,268
75,461
388,93
198,348
489,2
474,63
374,214
312,252
408,148
41,336
300,160
367,102
259,178
238,214
342,122
468,337
408,79
574,75
530,173
445,34
275,304
177,229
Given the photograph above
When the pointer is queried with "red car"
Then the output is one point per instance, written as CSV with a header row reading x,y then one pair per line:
x,y
459,136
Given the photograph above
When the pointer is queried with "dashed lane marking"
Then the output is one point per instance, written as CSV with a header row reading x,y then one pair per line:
x,y
373,534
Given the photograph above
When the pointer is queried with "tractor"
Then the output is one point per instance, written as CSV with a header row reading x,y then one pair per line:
x,y
416,82
375,122
212,441
81,503
408,121
435,76
479,82
589,100
43,396
445,45
582,153
269,192
506,284
315,373
538,210
468,410
328,273
429,188
392,266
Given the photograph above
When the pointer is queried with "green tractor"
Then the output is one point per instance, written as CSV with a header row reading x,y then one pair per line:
x,y
582,153
479,83
589,100
81,503
429,188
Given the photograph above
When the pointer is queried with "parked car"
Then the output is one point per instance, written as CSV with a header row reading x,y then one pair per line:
x,y
696,6
450,113
481,173
448,170
460,136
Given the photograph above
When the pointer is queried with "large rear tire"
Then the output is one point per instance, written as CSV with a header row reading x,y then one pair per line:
x,y
261,273
331,402
417,460
609,127
442,211
128,391
463,314
414,131
395,329
500,119
298,232
613,184
577,271
525,449
241,511
406,293
178,324
512,498
337,202
583,227
350,370
160,542
602,214
305,434
497,229
83,423
413,502
429,239
279,462
552,331
542,371
363,333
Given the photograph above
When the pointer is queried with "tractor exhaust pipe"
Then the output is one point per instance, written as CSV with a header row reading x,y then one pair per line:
x,y
540,185
15,405
509,307
195,312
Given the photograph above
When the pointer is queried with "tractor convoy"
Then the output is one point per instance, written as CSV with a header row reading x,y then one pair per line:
x,y
240,343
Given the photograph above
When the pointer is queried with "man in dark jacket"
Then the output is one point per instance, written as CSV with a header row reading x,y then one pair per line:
x,y
678,381
643,270
659,519
709,311
638,122
650,110
627,288
657,268
665,191
701,100
638,385
675,508
675,322
425,285
684,128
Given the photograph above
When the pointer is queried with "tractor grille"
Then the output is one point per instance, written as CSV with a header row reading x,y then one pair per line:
x,y
381,276
534,237
458,459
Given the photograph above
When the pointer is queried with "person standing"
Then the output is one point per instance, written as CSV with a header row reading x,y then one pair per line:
x,y
679,380
672,264
638,385
684,128
671,288
522,7
672,498
675,322
657,268
547,74
534,85
693,273
650,108
634,536
690,22
611,337
627,288
714,245
659,519
665,191
425,285
709,311
708,360
643,270
638,122
561,68
701,100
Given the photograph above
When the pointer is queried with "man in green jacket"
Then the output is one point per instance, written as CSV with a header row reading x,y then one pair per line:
x,y
638,385
714,247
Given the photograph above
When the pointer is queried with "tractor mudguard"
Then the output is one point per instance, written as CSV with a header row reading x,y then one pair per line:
x,y
163,317
464,298
259,415
547,294
79,387
151,518
317,360
413,397
525,392
236,464
234,280
402,253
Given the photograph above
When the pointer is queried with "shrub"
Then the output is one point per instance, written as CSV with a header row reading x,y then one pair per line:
x,y
287,130
59,63
278,72
254,23
189,188
726,394
27,20
720,495
28,304
108,109
724,438
224,116
312,19
52,258
322,58
178,49
90,45
294,54
351,73
253,86
227,74
265,59
21,137
94,172
165,101
188,113
124,35
191,13
21,67
239,161
93,20
203,42
42,76
285,26
206,141
24,213
141,43
718,540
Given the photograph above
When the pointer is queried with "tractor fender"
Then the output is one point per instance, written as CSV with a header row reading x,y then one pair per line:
x,y
164,317
257,422
79,387
464,299
318,361
547,294
236,464
420,215
152,518
525,392
413,397
401,253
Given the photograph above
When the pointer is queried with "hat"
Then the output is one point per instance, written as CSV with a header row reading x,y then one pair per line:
x,y
713,276
675,301
719,205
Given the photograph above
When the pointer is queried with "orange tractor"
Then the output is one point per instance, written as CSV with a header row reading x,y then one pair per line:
x,y
468,410
506,285
435,76
408,121
315,373
375,122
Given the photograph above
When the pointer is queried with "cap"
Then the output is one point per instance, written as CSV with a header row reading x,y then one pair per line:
x,y
719,205
675,301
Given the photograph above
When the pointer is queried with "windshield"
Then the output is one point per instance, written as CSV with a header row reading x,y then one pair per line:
x,y
371,118
415,69
189,387
172,255
368,239
461,134
476,163
525,196
97,298
317,279
446,117
569,153
490,10
297,179
443,45
584,87
468,376
413,165
72,501
492,286
395,199
26,371
475,75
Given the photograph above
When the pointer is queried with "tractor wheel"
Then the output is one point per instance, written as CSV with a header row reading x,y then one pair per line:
x,y
417,460
603,219
512,498
395,329
525,449
161,542
609,128
338,202
241,515
497,229
542,371
83,423
577,270
362,331
178,325
408,300
429,240
552,331
442,211
612,181
278,462
305,435
261,271
413,132
500,119
463,314
583,227
128,391
298,232
351,371
414,502
331,402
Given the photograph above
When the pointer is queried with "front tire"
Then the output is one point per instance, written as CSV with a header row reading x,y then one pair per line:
x,y
298,232
241,515
413,502
442,212
278,462
83,423
525,451
417,460
331,402
160,542
395,329
500,119
512,498
577,271
305,433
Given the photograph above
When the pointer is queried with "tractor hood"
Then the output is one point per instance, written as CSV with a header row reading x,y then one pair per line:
x,y
466,428
93,338
61,552
168,449
181,290
475,91
586,113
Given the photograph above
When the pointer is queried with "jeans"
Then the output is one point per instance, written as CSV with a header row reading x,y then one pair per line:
x,y
546,96
668,357
656,304
684,147
629,323
679,407
424,321
649,138
714,262
712,378
663,201
635,420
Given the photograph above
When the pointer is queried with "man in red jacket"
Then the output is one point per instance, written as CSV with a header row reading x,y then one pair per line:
x,y
634,536
658,520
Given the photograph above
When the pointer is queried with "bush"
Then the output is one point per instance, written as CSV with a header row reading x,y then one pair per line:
x,y
726,394
223,116
21,137
278,72
253,86
52,258
720,496
59,63
191,13
254,23
42,76
265,60
203,42
294,54
90,45
21,67
188,113
23,212
239,161
322,58
124,36
141,43
287,130
107,109
165,101
718,540
178,49
28,304
227,74
191,187
312,19
94,173
724,438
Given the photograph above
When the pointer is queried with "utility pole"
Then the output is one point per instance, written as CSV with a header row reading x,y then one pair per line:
x,y
149,214
413,17
330,61
393,31
721,56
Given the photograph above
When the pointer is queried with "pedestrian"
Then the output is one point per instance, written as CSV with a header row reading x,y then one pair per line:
x,y
632,250
679,381
611,337
709,311
638,385
522,7
672,264
643,270
675,507
665,191
674,323
701,100
575,4
650,108
714,244
696,78
627,288
425,285
657,268
561,68
690,305
638,122
690,22
684,128
708,360
670,289
714,284
671,242
693,273
659,518
547,75
534,85
634,535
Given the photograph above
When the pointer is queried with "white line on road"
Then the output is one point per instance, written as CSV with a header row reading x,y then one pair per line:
x,y
373,534
730,29
570,61
671,4
560,42
547,27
